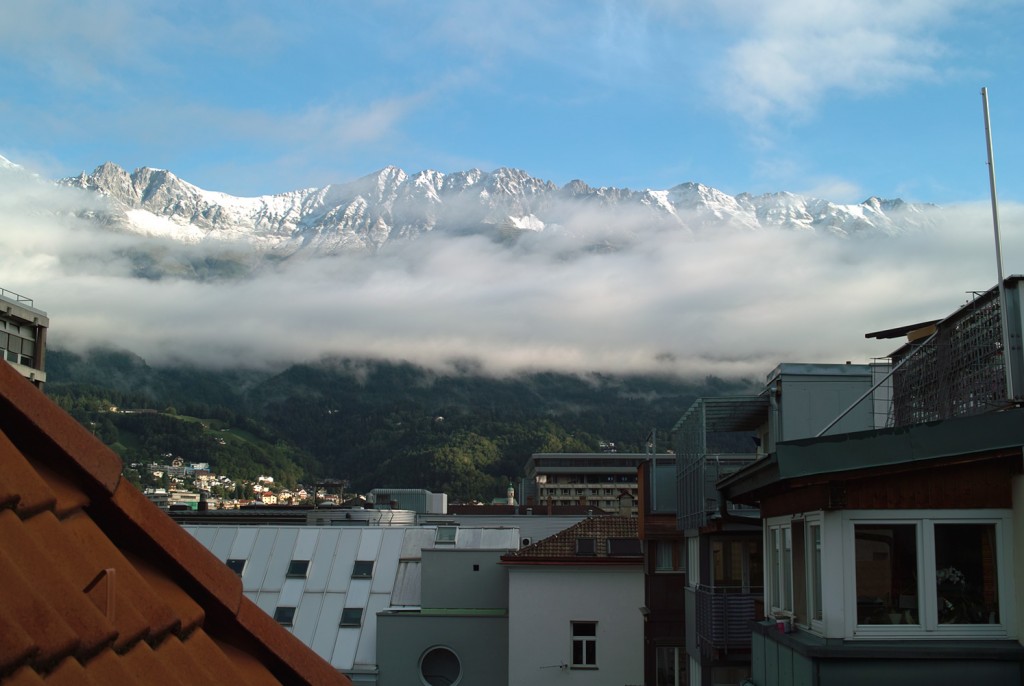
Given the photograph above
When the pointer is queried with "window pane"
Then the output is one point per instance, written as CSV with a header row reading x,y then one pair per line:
x,y
584,629
815,570
362,569
774,569
297,568
668,667
787,568
965,573
663,561
577,652
887,591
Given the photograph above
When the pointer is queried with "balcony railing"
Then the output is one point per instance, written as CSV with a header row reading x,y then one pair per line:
x,y
723,617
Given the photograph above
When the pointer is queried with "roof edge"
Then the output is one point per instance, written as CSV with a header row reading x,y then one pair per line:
x,y
70,443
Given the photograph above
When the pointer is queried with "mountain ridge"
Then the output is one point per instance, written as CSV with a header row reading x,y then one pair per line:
x,y
391,205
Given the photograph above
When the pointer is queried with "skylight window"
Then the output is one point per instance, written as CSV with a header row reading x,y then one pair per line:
x,y
586,546
351,616
625,547
446,534
362,569
297,569
236,565
284,615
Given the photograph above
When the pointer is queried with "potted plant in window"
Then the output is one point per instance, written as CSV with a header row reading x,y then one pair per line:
x,y
956,604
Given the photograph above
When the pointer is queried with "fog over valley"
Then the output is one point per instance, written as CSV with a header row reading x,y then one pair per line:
x,y
628,296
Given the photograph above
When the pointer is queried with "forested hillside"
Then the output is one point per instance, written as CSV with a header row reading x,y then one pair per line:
x,y
376,424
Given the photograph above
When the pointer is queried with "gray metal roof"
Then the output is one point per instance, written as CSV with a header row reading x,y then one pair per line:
x,y
978,434
328,586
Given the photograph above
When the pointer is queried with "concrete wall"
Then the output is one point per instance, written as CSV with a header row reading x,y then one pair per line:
x,y
544,599
480,642
464,579
811,401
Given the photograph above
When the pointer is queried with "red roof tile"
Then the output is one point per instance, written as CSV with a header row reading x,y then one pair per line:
x,y
99,586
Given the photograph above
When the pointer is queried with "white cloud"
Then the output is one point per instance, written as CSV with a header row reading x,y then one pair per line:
x,y
794,52
733,304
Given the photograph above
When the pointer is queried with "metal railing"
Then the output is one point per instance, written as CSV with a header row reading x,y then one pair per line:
x,y
16,297
724,615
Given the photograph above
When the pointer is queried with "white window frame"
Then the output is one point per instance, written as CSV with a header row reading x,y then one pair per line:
x,y
778,567
814,575
925,521
692,562
779,571
584,641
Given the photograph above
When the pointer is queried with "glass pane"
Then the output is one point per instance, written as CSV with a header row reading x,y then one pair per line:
x,y
664,556
787,569
577,652
584,629
668,666
887,591
965,574
591,650
774,570
816,570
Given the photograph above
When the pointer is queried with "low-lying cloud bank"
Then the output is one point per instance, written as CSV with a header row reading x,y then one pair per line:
x,y
731,304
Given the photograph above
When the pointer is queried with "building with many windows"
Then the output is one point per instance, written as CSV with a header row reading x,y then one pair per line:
x,y
23,336
893,555
714,438
597,480
665,659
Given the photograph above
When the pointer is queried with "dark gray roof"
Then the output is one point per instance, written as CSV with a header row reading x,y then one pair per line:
x,y
978,434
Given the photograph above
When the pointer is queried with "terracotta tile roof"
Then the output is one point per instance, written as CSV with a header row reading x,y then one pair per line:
x,y
98,586
562,547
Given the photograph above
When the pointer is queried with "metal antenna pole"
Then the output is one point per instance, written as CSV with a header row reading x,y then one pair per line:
x,y
1008,361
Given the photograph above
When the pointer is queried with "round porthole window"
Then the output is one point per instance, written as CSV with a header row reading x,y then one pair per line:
x,y
439,666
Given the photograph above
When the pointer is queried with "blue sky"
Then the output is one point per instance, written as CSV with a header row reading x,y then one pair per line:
x,y
842,99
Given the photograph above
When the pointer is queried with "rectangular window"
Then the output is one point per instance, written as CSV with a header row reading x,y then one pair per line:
x,y
693,561
584,645
284,615
236,565
886,572
966,583
362,569
814,569
297,569
624,547
351,616
667,557
586,546
669,666
780,568
446,534
942,574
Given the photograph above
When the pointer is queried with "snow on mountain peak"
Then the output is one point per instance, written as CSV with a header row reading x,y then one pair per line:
x,y
390,205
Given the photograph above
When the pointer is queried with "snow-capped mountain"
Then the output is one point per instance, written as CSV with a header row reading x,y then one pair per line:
x,y
391,205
